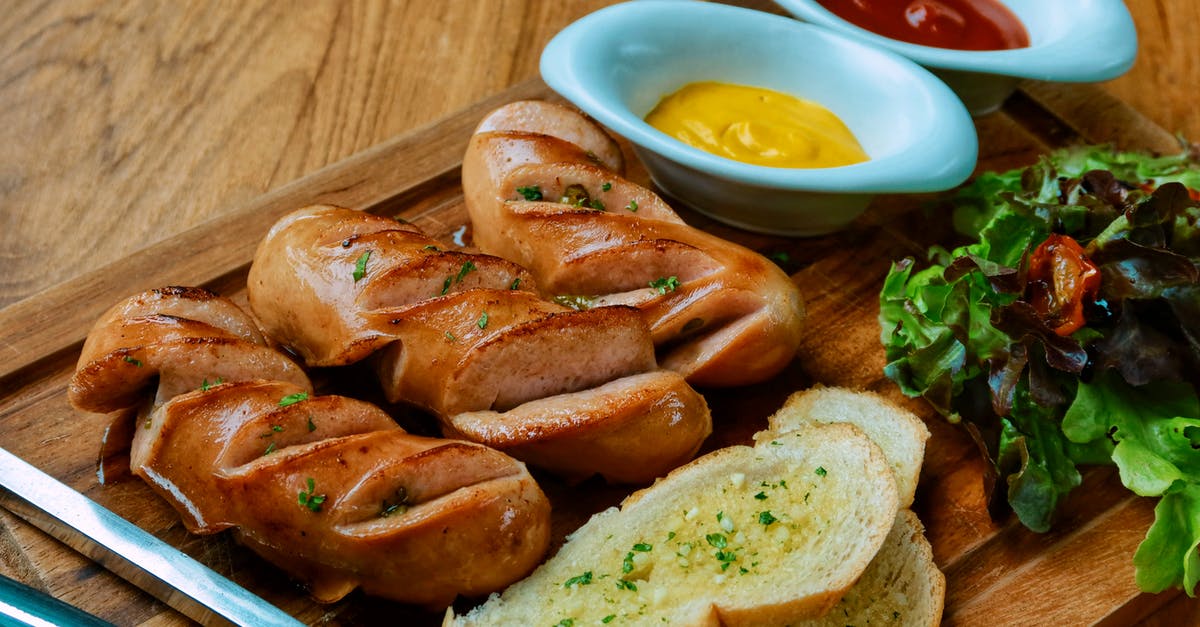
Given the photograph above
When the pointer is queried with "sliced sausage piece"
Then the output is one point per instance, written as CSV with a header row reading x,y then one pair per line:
x,y
455,333
721,314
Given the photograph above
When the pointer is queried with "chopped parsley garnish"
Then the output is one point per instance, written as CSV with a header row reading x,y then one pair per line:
x,y
608,619
632,206
642,547
626,585
270,448
766,518
206,386
130,360
360,266
312,426
450,336
566,622
821,472
431,247
579,580
515,284
627,563
309,498
665,284
292,399
717,540
726,558
467,267
606,186
531,192
483,320
761,496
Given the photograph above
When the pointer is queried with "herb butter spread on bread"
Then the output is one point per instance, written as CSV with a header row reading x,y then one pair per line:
x,y
763,535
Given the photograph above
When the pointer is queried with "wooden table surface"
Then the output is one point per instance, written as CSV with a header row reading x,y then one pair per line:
x,y
123,123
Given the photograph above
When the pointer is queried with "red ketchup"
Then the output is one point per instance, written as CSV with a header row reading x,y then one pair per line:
x,y
959,24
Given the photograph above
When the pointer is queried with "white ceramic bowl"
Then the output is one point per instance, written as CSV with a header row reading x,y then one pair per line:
x,y
1071,41
618,63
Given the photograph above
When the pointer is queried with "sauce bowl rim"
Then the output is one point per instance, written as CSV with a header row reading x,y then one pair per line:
x,y
947,156
1061,59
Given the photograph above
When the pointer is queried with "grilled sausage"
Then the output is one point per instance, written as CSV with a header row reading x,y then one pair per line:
x,y
328,488
465,337
540,194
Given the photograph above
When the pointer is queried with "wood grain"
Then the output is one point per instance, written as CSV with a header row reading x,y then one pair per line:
x,y
996,570
1167,67
123,123
137,134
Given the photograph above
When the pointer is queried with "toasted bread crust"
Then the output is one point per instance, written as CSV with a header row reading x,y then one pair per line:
x,y
900,434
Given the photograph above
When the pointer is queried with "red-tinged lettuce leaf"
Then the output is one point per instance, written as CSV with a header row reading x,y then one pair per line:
x,y
1131,270
1155,288
1185,306
1139,253
1142,347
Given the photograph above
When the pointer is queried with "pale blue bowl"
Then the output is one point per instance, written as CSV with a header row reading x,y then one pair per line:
x,y
1070,41
618,63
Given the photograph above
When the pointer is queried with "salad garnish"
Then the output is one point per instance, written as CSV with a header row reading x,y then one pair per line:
x,y
1066,334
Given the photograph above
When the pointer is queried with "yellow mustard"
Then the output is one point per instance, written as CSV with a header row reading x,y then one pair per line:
x,y
758,126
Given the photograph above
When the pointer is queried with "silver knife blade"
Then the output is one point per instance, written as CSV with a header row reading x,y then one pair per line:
x,y
135,555
22,606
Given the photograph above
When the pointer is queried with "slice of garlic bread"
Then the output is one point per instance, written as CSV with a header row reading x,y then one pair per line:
x,y
763,535
897,431
901,588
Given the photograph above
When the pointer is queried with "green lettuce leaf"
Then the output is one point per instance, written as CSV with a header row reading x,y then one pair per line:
x,y
1044,472
1169,556
1155,429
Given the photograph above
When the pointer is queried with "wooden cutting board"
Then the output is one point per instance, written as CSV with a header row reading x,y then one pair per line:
x,y
997,572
